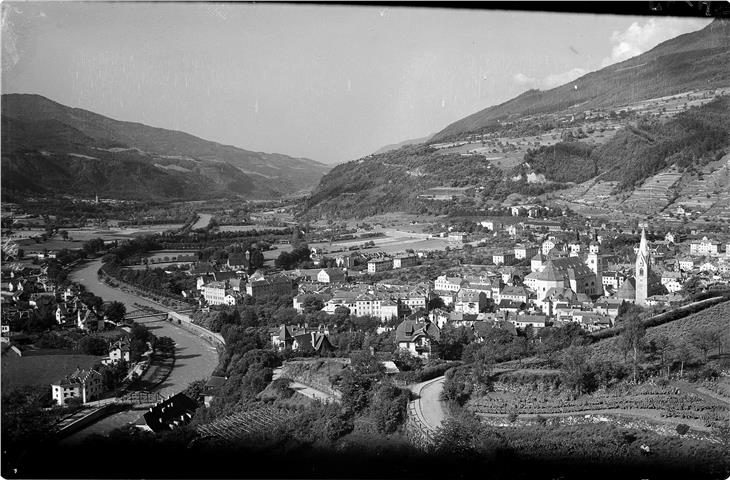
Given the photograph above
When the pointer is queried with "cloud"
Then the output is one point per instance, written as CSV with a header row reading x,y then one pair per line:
x,y
522,79
639,38
550,81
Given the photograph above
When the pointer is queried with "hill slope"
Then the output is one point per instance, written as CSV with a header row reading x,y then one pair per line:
x,y
51,148
654,123
695,60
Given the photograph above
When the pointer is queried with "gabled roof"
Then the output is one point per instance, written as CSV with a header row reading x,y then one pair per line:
x,y
168,414
410,330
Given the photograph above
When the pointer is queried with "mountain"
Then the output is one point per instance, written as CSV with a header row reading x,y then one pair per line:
x,y
51,148
396,146
663,115
694,60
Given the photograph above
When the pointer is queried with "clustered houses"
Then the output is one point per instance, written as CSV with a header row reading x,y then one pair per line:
x,y
568,281
228,287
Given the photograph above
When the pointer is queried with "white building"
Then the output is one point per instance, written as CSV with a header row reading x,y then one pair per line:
x,y
704,247
83,384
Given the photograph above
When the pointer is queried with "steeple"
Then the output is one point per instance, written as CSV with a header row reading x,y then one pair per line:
x,y
642,271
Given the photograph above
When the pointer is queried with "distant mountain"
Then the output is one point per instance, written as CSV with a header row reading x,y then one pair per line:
x,y
694,60
396,146
628,147
51,148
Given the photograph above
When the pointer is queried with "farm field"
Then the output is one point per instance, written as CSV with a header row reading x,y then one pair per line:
x,y
203,220
247,228
40,369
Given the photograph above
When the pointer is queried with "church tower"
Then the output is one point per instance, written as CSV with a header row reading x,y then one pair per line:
x,y
642,271
593,260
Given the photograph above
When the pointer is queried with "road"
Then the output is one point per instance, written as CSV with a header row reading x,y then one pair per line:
x,y
306,390
428,404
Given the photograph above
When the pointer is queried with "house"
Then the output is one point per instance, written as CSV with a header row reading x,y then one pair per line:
x,y
83,384
452,284
417,337
404,261
672,281
503,257
524,321
260,286
331,275
87,320
118,351
523,251
238,261
297,338
214,293
516,294
212,388
169,414
704,247
470,301
380,265
457,237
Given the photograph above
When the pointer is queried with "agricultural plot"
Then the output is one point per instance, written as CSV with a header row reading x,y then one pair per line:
x,y
654,194
247,228
40,369
250,422
657,403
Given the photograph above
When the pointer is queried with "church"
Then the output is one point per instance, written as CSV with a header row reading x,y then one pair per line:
x,y
636,289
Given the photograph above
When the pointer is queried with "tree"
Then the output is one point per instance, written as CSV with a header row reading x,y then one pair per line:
x,y
92,345
64,234
662,346
682,354
703,340
115,311
631,341
576,373
312,304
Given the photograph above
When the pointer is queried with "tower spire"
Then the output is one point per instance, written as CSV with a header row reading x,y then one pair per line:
x,y
642,271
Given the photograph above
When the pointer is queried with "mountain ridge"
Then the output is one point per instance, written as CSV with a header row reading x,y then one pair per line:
x,y
33,123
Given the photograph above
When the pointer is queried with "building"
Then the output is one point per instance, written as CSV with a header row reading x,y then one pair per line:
x,y
470,301
502,258
457,237
523,321
417,337
569,272
331,275
301,338
169,414
214,293
380,265
260,286
451,284
523,251
703,247
642,271
83,384
118,351
405,261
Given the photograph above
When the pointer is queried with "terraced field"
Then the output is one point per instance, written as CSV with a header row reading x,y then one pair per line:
x,y
655,193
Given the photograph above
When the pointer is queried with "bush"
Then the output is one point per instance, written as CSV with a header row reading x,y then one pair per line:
x,y
682,428
512,417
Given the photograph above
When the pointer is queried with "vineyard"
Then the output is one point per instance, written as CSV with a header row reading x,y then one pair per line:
x,y
657,401
250,422
712,318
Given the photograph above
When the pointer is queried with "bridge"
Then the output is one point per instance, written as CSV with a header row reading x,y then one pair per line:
x,y
138,314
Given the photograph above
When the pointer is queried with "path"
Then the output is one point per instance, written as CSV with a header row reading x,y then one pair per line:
x,y
306,390
429,408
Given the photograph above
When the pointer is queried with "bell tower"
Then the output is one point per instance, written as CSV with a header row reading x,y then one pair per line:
x,y
642,271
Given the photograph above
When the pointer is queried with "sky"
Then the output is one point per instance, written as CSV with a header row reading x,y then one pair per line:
x,y
331,83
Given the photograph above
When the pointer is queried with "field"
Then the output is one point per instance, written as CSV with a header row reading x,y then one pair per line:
x,y
76,236
246,228
40,369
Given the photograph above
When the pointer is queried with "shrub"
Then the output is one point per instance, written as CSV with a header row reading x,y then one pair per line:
x,y
512,417
682,428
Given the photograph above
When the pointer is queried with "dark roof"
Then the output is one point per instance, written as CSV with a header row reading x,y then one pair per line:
x,y
409,330
178,408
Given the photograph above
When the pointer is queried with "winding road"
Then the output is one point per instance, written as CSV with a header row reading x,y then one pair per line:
x,y
428,405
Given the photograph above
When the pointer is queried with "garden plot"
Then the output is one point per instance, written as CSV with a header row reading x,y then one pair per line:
x,y
655,193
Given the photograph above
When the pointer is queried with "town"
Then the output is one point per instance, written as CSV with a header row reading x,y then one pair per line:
x,y
333,241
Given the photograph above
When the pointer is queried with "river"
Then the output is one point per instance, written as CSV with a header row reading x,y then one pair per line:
x,y
195,358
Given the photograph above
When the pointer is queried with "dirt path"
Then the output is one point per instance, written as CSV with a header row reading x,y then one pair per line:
x,y
306,390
